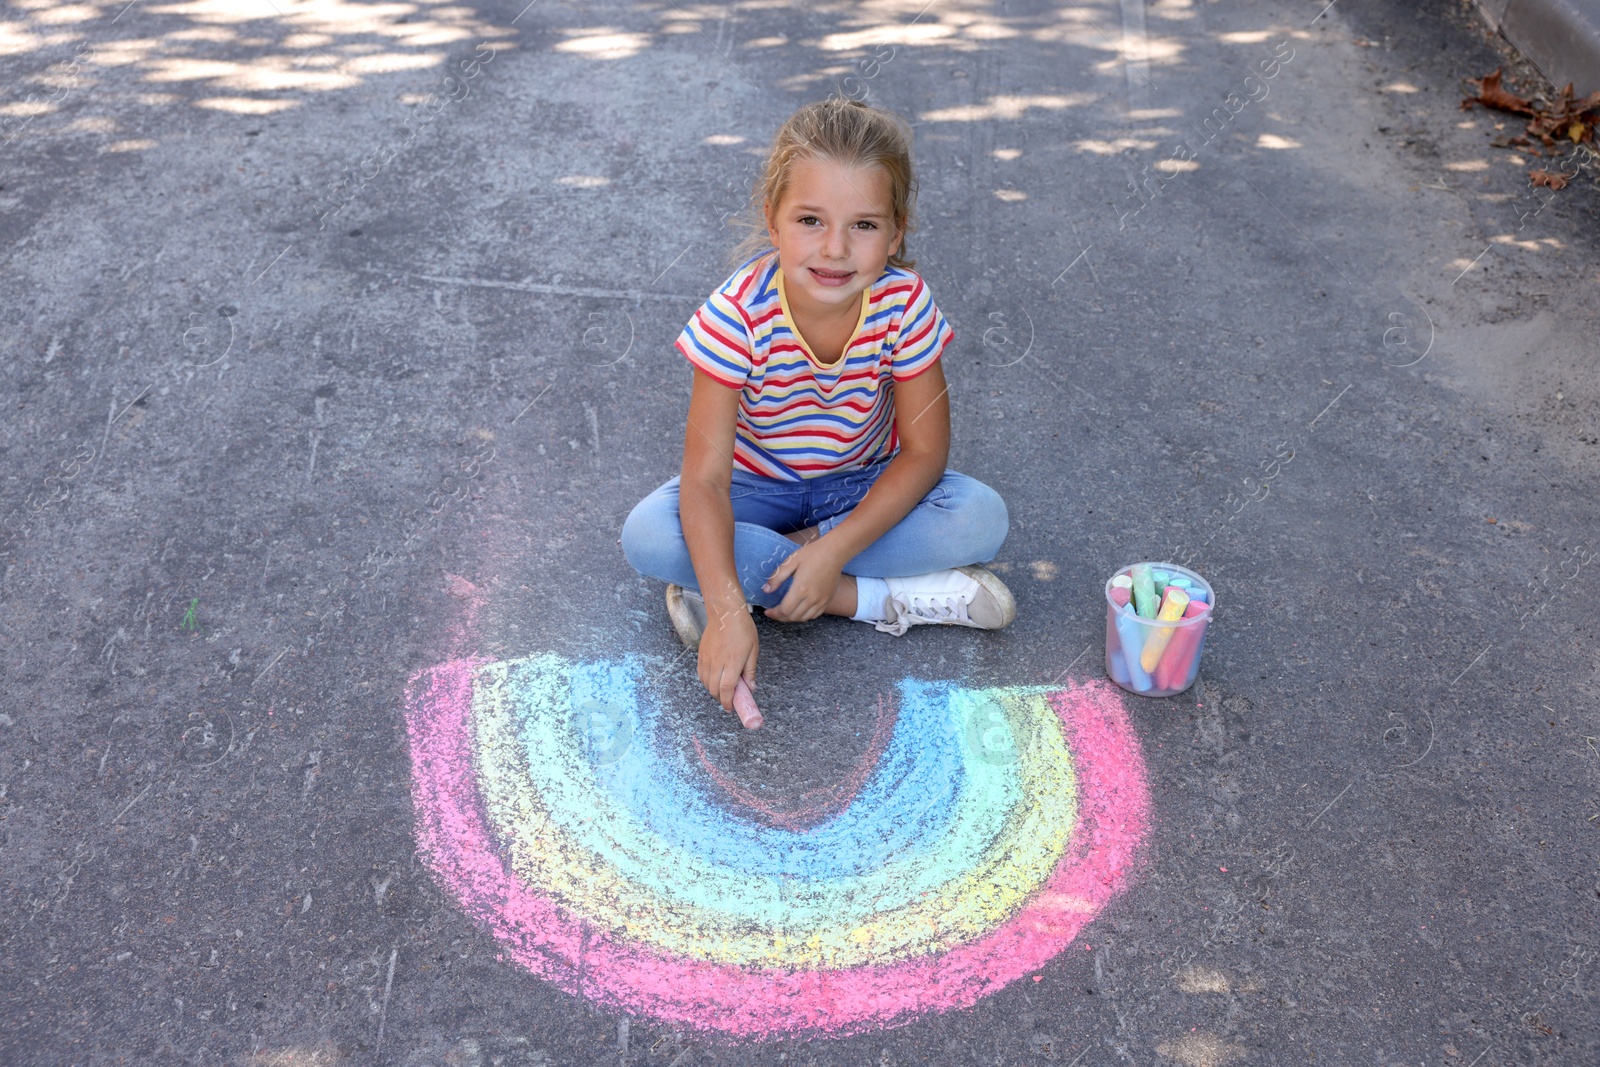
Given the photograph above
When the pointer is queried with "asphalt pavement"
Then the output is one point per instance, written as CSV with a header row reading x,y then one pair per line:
x,y
338,345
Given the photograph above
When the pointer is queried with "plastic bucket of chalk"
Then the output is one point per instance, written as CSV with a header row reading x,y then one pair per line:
x,y
1156,619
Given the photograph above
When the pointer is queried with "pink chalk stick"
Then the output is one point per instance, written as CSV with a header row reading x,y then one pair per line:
x,y
744,702
1179,655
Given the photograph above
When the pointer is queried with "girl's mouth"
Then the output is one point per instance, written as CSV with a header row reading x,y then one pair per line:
x,y
831,278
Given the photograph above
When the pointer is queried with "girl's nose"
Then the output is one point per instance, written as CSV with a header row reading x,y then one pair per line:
x,y
835,245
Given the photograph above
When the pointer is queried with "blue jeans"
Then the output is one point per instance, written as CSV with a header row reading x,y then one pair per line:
x,y
959,521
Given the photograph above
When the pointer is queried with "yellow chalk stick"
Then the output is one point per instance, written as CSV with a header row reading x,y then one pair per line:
x,y
1172,605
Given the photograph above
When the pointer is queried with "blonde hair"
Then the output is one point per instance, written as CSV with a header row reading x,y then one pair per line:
x,y
846,132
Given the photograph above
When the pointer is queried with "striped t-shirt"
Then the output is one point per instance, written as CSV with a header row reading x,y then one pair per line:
x,y
799,418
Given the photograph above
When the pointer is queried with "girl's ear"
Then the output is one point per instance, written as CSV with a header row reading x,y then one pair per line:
x,y
894,246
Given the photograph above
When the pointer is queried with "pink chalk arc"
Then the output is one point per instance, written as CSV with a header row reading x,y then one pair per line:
x,y
753,1003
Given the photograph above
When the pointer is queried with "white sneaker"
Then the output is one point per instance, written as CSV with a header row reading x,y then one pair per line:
x,y
687,610
965,596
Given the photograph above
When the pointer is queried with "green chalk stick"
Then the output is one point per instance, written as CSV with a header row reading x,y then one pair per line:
x,y
1145,601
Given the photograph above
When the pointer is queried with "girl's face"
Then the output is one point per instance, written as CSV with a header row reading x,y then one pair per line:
x,y
834,232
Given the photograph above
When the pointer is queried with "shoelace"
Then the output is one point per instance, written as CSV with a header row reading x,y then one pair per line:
x,y
949,607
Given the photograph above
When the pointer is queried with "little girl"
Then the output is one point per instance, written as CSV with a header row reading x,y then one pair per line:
x,y
814,477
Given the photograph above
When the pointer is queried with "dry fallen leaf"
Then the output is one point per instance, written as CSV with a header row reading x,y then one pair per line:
x,y
1547,179
1566,117
1490,94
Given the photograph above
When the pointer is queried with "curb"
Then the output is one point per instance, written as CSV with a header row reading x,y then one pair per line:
x,y
1560,37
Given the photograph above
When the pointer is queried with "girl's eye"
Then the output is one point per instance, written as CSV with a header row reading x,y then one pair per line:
x,y
868,225
807,220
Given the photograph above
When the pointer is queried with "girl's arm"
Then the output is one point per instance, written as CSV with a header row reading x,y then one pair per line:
x,y
729,646
922,423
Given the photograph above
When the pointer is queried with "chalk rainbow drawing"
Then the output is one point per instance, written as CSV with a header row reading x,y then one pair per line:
x,y
981,832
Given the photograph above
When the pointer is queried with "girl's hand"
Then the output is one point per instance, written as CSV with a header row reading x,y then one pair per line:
x,y
816,575
728,650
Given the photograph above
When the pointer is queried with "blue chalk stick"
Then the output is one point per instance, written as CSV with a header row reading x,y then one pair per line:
x,y
1117,669
1131,634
